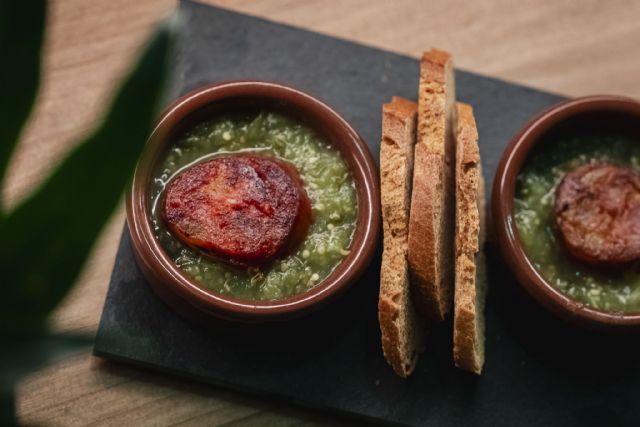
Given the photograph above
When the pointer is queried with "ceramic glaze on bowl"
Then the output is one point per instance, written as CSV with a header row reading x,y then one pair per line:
x,y
595,115
181,290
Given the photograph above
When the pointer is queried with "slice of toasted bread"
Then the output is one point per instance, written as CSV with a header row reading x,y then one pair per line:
x,y
402,331
431,223
470,273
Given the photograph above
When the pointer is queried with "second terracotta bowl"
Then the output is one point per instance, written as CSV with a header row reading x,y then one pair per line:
x,y
184,294
577,116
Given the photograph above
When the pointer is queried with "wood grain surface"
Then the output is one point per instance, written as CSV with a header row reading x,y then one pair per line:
x,y
569,47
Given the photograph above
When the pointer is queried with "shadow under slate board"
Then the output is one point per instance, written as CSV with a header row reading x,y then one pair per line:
x,y
538,371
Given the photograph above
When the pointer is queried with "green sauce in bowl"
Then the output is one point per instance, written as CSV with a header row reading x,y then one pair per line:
x,y
327,181
607,290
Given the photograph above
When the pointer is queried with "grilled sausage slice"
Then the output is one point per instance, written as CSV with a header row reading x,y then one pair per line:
x,y
240,209
597,210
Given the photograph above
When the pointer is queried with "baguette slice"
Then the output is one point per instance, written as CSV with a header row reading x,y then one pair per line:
x,y
402,331
470,277
431,224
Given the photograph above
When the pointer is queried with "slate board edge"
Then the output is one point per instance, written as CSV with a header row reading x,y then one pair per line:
x,y
276,398
376,48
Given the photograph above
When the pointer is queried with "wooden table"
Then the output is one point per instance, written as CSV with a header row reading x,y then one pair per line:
x,y
572,47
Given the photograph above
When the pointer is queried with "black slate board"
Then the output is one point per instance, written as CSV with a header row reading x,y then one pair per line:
x,y
538,370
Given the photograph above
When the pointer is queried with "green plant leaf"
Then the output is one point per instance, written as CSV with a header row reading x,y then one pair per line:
x,y
21,33
19,357
44,242
8,407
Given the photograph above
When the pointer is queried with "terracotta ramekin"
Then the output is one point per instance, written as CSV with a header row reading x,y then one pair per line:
x,y
576,116
184,294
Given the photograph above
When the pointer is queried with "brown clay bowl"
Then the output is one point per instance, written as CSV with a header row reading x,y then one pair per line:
x,y
185,295
572,117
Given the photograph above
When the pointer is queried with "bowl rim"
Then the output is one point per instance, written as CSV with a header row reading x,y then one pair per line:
x,y
503,194
170,282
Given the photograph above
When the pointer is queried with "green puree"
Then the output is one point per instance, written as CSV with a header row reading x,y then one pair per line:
x,y
618,290
326,179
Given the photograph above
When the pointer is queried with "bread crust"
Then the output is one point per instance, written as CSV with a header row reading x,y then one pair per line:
x,y
470,270
431,223
402,331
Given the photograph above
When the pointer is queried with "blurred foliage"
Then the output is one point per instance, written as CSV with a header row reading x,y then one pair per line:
x,y
21,32
45,240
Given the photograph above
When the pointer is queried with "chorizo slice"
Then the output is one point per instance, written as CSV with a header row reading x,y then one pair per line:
x,y
597,213
240,209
